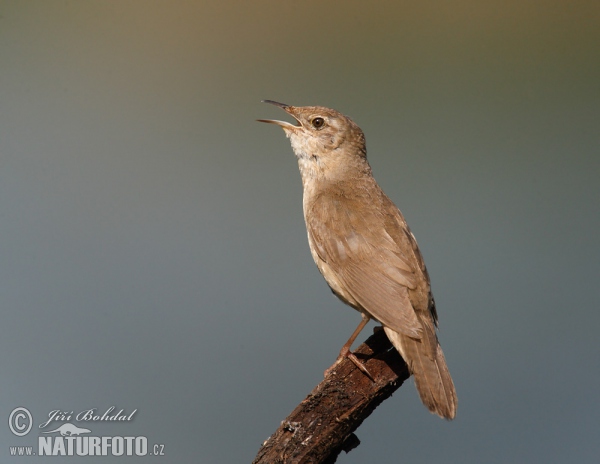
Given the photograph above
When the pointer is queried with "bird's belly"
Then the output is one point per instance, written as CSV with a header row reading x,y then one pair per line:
x,y
336,286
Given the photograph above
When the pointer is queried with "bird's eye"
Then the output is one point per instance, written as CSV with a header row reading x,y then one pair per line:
x,y
318,123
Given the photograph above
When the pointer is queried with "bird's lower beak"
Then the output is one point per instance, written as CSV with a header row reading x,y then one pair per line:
x,y
283,124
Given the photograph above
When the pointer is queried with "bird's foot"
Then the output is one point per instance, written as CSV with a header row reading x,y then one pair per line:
x,y
352,357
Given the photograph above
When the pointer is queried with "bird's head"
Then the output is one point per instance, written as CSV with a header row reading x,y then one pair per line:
x,y
321,134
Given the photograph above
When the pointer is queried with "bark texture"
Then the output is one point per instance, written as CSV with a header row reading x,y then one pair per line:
x,y
323,424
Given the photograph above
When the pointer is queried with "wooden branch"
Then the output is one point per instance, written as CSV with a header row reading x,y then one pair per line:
x,y
323,424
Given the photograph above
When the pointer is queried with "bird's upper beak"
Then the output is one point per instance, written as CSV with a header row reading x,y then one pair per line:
x,y
283,124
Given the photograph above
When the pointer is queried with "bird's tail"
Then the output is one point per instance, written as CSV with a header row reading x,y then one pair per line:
x,y
426,362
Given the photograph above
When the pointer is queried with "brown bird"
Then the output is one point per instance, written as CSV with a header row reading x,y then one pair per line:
x,y
364,248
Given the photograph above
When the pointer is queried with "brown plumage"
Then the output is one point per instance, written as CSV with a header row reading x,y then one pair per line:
x,y
364,248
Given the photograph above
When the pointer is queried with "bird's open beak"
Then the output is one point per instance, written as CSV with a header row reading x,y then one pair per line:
x,y
284,124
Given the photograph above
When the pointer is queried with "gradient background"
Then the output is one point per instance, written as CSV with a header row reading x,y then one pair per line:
x,y
152,247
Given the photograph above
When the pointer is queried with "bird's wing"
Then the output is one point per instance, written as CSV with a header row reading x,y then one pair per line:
x,y
374,267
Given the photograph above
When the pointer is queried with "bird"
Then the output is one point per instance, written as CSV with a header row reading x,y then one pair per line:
x,y
364,248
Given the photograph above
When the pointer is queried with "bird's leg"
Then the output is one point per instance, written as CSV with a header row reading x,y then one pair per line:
x,y
346,353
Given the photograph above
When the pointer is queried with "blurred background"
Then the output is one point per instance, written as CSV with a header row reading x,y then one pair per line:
x,y
153,254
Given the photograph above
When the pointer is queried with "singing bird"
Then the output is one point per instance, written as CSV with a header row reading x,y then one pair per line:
x,y
364,249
